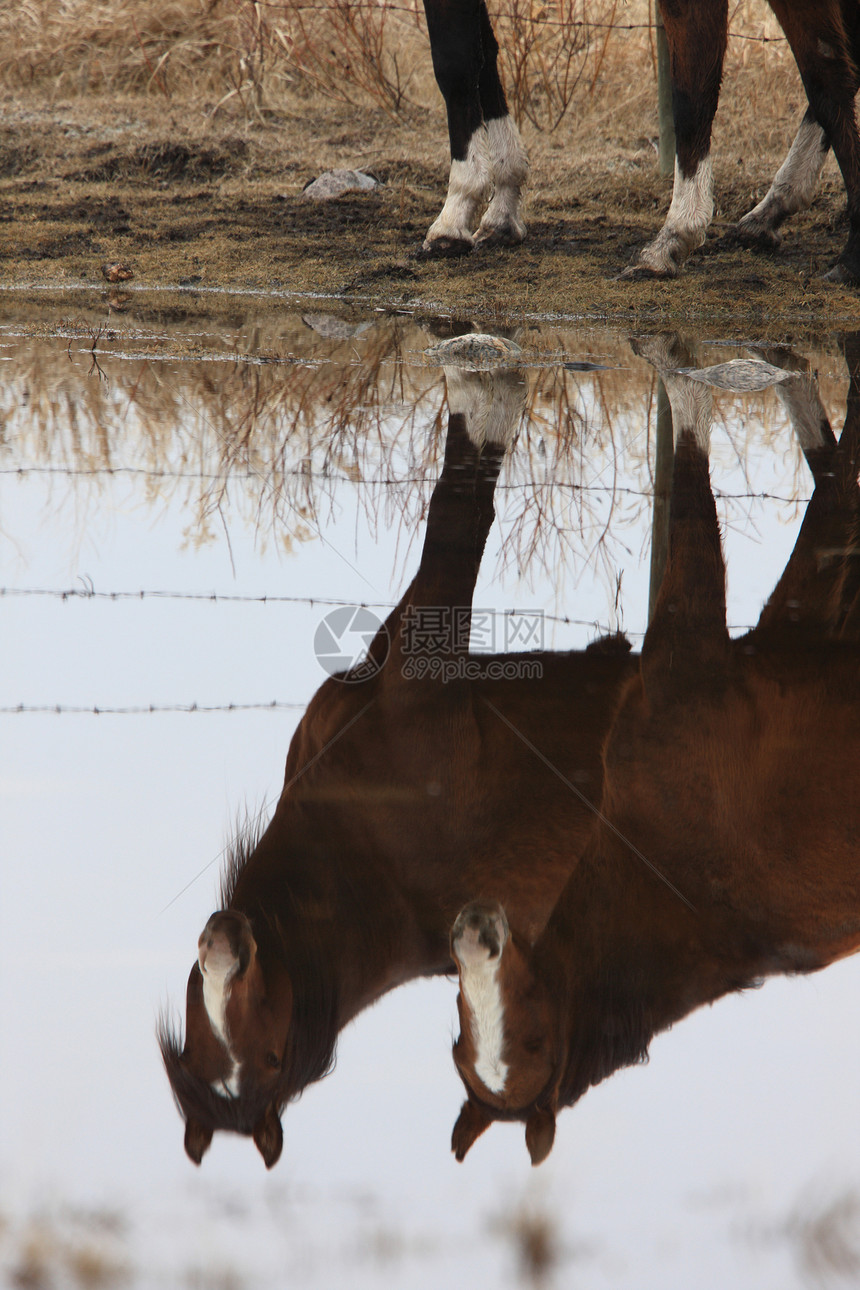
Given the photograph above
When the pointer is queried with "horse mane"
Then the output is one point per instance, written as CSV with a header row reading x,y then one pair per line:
x,y
237,853
615,1032
197,1100
312,1040
612,645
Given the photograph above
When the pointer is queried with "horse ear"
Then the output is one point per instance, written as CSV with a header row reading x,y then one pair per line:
x,y
197,1139
540,1135
471,1123
269,1137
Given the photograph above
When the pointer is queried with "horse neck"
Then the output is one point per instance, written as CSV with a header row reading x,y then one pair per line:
x,y
305,898
624,957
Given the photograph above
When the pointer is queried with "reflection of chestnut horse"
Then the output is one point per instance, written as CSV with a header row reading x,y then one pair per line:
x,y
406,794
727,847
489,166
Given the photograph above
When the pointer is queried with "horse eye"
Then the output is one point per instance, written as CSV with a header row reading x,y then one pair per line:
x,y
533,1046
274,1061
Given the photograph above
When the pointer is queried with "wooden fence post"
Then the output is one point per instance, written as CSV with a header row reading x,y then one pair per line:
x,y
666,155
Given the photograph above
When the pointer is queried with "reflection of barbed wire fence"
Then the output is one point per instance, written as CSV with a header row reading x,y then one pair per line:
x,y
283,446
271,446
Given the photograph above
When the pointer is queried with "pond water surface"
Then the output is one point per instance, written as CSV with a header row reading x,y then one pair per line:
x,y
183,500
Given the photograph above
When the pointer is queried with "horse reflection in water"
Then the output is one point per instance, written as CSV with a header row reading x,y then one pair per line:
x,y
728,842
403,798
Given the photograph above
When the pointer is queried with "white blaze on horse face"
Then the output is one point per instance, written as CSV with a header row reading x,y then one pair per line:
x,y
479,983
218,966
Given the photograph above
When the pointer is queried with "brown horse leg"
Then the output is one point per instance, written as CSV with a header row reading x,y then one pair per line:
x,y
795,182
687,633
484,412
822,35
806,597
819,580
849,451
696,32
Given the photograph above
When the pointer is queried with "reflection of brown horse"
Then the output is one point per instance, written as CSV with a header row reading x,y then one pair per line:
x,y
728,842
403,798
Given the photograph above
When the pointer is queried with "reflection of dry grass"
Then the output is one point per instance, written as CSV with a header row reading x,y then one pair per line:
x,y
823,1231
533,1233
52,1253
276,418
827,1239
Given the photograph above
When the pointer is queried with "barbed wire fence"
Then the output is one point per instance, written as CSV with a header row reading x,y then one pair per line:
x,y
88,593
547,49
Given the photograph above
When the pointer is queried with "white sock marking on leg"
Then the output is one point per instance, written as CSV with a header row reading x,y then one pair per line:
x,y
509,168
692,202
468,185
493,403
691,408
795,182
802,402
218,970
686,222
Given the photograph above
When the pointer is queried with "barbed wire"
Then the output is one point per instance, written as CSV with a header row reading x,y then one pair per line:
x,y
89,593
379,481
498,16
85,593
144,710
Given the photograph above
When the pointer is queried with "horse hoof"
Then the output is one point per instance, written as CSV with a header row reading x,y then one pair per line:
x,y
842,275
504,235
445,248
757,237
643,273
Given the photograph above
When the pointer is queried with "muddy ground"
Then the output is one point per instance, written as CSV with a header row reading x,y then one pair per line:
x,y
89,182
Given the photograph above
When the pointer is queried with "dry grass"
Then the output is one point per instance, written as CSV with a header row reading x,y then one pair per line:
x,y
251,53
250,57
251,101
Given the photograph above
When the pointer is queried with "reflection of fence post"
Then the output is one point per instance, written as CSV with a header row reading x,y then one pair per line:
x,y
663,466
666,155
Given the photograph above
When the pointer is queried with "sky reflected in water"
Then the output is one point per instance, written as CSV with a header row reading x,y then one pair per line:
x,y
182,500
